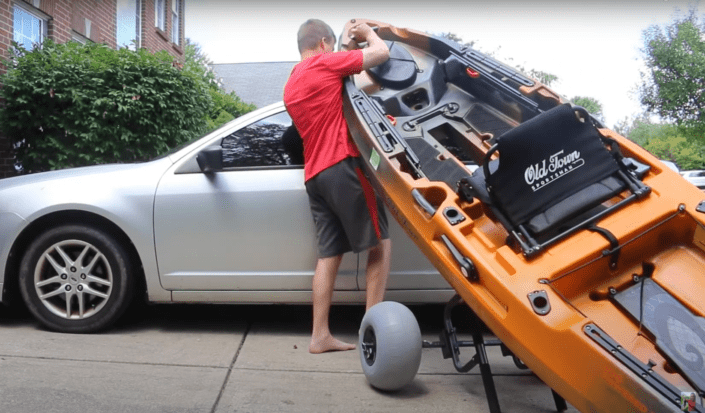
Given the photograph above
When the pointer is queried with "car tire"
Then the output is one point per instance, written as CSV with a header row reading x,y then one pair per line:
x,y
76,279
390,346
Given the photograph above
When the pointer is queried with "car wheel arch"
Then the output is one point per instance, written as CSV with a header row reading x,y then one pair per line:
x,y
52,220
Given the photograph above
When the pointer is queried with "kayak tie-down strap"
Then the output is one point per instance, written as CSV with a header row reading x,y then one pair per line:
x,y
647,271
613,252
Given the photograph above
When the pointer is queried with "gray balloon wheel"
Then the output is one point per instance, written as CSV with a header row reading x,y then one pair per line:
x,y
390,346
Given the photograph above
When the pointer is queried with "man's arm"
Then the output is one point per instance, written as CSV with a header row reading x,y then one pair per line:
x,y
376,51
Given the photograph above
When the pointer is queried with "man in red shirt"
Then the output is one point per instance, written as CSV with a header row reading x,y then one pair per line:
x,y
688,402
347,214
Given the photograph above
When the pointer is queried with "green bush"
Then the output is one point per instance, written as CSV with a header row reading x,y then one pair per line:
x,y
225,106
70,105
643,131
676,143
685,153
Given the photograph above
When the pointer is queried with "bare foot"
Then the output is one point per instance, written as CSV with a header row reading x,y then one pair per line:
x,y
329,343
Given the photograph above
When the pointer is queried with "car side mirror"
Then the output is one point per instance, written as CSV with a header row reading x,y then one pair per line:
x,y
210,160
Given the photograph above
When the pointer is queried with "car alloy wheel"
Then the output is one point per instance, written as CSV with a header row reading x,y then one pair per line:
x,y
76,279
73,279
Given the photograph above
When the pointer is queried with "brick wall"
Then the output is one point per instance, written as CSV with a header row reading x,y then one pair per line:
x,y
156,39
5,27
93,19
6,158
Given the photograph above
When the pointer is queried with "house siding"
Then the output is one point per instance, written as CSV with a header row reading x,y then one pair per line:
x,y
93,19
258,83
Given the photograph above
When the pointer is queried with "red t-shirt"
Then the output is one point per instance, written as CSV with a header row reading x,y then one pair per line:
x,y
313,96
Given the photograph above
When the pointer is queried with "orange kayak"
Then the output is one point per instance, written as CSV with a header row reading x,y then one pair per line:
x,y
582,252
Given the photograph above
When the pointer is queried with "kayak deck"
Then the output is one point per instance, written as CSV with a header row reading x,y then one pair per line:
x,y
421,124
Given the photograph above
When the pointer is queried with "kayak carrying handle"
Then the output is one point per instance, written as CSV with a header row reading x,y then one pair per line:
x,y
423,203
466,265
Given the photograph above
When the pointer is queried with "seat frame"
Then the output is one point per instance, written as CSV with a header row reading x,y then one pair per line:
x,y
532,243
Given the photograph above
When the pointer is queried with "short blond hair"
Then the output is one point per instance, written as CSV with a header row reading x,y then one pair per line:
x,y
311,32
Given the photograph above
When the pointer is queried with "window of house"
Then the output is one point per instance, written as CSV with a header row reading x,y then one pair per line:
x,y
29,26
78,37
259,144
160,14
129,23
175,16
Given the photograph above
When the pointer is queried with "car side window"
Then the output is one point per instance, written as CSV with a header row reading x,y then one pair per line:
x,y
260,144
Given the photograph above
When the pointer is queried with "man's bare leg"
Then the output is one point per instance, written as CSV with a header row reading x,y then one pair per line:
x,y
323,281
378,261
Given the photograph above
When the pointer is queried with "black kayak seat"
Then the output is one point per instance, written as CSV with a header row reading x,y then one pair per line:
x,y
575,204
550,170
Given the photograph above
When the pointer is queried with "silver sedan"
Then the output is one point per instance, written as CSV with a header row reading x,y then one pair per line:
x,y
77,244
696,178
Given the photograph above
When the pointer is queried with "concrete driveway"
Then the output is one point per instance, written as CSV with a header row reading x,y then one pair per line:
x,y
181,358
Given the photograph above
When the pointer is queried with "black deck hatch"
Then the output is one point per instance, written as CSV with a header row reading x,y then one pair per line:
x,y
679,333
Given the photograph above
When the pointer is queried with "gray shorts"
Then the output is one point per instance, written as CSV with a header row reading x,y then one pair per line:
x,y
347,213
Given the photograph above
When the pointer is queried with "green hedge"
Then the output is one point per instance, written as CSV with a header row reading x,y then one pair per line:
x,y
70,105
225,106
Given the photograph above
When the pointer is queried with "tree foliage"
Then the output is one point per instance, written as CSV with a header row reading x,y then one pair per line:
x,y
673,87
623,126
71,104
677,143
685,153
454,37
544,77
644,131
674,82
224,106
592,105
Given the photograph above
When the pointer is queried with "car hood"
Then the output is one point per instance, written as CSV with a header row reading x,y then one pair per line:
x,y
69,173
82,188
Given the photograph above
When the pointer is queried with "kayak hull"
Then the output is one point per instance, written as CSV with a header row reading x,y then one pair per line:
x,y
542,307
